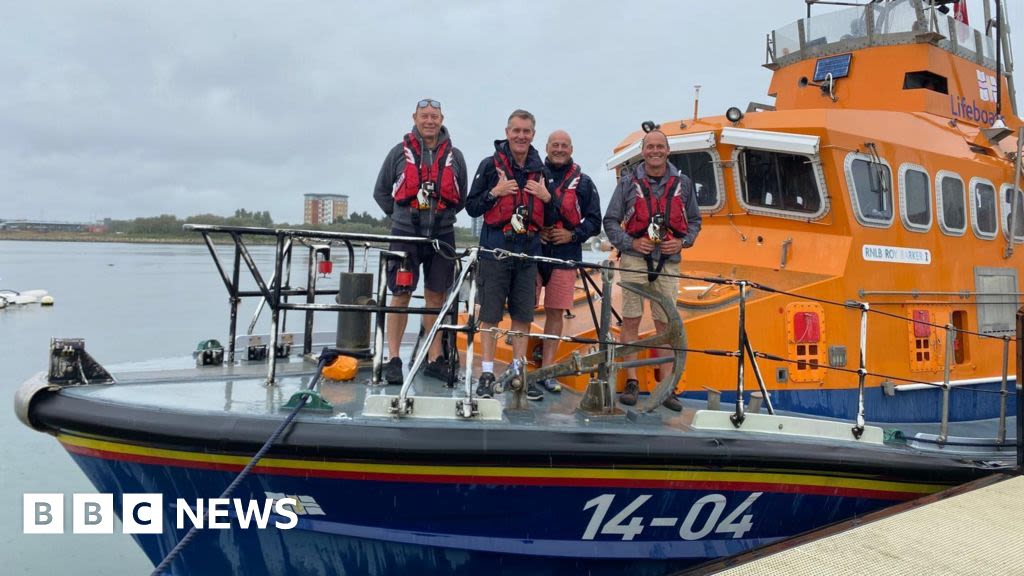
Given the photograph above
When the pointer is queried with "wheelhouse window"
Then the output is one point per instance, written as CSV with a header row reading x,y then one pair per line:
x,y
950,204
915,198
779,181
870,183
702,167
1017,202
983,209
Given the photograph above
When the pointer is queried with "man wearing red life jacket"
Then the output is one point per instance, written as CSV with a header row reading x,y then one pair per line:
x,y
421,186
571,217
652,215
509,192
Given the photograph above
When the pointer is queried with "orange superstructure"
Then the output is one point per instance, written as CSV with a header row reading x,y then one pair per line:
x,y
876,178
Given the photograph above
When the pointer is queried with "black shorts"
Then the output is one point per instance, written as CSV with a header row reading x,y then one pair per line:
x,y
512,280
438,271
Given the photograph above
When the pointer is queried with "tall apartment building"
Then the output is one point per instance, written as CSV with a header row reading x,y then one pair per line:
x,y
325,208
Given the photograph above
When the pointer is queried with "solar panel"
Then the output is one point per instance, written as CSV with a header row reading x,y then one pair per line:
x,y
837,66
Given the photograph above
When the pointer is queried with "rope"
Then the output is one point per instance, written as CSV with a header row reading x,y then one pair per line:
x,y
325,355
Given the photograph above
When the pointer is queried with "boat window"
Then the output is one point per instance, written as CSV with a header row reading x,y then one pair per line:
x,y
950,203
870,183
704,168
926,80
915,198
1007,197
983,208
779,182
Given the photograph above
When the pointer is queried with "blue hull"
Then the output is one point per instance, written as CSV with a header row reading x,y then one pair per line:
x,y
966,403
369,526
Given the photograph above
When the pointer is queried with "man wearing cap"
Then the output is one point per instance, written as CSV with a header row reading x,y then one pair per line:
x,y
509,192
652,215
571,217
421,186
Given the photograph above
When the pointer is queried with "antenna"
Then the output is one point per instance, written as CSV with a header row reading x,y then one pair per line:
x,y
696,100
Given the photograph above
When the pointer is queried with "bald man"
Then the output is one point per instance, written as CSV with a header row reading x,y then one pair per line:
x,y
571,217
653,214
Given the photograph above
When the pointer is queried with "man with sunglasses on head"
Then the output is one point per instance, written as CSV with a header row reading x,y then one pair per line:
x,y
509,192
421,186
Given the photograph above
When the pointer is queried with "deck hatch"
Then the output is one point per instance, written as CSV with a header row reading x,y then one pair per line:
x,y
805,334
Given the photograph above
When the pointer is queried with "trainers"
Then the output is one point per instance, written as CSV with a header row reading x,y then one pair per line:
x,y
437,368
393,372
533,392
630,393
673,404
485,385
551,385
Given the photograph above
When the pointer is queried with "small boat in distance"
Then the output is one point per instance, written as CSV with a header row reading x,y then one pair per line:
x,y
14,297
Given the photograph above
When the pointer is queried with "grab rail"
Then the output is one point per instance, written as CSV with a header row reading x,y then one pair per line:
x,y
276,292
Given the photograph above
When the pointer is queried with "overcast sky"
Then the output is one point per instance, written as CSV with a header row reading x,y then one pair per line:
x,y
125,109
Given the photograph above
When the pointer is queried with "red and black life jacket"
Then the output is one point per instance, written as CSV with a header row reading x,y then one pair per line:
x,y
440,173
500,215
564,198
670,204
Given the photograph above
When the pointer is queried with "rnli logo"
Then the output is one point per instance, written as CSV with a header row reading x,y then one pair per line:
x,y
986,87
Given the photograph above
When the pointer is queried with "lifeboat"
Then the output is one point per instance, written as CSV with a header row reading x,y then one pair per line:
x,y
884,177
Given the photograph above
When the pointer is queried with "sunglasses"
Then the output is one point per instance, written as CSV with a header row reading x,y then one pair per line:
x,y
428,102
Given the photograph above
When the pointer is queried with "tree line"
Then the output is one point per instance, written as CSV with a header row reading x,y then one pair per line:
x,y
168,225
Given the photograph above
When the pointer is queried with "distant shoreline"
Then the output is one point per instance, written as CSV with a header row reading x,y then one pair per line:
x,y
100,238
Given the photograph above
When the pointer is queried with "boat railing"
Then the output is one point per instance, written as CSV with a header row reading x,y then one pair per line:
x,y
746,352
612,353
278,291
878,24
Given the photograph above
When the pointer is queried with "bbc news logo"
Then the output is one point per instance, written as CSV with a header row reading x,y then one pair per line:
x,y
144,513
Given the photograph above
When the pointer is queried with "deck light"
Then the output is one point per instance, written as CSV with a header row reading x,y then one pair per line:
x,y
648,126
734,114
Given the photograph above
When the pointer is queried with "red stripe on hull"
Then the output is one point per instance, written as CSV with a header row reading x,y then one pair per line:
x,y
508,480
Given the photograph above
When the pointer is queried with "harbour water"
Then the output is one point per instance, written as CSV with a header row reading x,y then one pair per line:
x,y
132,303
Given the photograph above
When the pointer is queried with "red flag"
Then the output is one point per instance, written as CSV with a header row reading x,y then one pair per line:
x,y
960,11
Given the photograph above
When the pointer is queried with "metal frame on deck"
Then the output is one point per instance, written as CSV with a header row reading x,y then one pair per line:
x,y
276,293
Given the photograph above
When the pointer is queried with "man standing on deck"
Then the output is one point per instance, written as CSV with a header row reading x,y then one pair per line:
x,y
653,214
509,192
571,217
421,186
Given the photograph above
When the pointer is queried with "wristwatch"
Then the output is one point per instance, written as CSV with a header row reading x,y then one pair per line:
x,y
573,238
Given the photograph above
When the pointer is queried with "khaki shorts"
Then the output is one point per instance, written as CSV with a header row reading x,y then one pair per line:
x,y
633,304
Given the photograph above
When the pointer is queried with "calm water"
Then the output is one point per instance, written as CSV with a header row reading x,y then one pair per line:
x,y
131,302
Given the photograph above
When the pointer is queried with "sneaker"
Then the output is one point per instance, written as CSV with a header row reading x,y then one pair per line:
x,y
533,392
485,385
551,385
630,393
393,372
437,368
673,404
